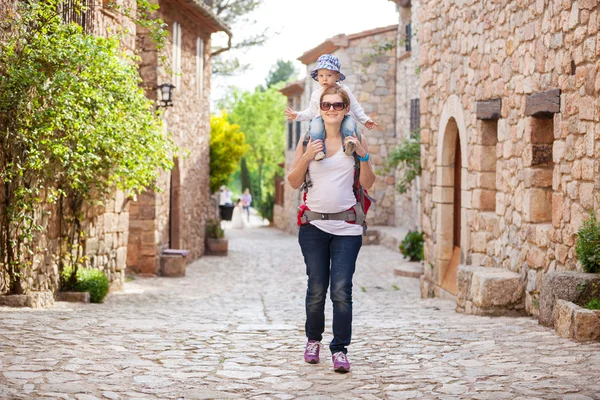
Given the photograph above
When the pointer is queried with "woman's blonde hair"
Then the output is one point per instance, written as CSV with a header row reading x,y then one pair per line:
x,y
336,90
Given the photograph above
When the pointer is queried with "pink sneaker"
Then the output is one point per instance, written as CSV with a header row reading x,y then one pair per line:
x,y
311,353
340,362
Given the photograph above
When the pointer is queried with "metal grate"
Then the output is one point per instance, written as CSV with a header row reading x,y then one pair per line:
x,y
80,12
415,115
408,32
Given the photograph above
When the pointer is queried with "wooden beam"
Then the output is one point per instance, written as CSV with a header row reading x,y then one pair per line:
x,y
543,104
490,109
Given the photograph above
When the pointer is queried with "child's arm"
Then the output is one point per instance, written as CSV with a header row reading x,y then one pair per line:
x,y
358,111
308,114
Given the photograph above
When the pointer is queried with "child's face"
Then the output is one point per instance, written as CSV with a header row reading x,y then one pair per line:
x,y
327,78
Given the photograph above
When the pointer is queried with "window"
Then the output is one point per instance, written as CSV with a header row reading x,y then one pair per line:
x,y
298,133
408,37
200,64
176,58
81,13
415,115
290,135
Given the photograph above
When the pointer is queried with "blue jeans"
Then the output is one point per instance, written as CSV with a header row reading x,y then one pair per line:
x,y
316,127
329,257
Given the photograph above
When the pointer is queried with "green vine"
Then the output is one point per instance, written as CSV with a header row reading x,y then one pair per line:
x,y
587,244
377,50
407,154
74,125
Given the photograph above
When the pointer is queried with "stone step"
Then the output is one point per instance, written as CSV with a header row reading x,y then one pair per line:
x,y
489,291
409,269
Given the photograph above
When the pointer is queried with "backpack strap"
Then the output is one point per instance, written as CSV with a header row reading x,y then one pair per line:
x,y
307,181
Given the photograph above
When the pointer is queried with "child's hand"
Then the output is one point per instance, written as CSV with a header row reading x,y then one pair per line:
x,y
290,114
371,124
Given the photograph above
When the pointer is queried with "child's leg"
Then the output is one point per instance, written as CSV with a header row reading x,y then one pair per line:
x,y
316,128
348,128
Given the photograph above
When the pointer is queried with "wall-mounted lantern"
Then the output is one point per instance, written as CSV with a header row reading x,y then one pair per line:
x,y
165,95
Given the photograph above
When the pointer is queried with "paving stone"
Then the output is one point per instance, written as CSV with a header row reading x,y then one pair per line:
x,y
233,328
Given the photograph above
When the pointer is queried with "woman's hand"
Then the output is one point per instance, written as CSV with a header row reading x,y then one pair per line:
x,y
358,147
312,148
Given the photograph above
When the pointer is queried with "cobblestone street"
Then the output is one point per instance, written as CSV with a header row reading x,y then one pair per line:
x,y
233,328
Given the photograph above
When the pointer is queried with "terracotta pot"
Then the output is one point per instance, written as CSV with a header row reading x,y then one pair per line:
x,y
216,247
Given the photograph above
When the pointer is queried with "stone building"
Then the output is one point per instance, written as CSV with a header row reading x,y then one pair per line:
x,y
371,73
176,217
510,133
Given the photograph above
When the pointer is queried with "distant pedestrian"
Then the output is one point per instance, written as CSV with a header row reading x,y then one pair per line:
x,y
246,202
330,236
328,74
225,196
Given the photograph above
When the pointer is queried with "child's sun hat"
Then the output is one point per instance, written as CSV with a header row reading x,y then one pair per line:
x,y
327,61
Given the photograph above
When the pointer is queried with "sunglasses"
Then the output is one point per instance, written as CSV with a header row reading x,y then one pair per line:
x,y
338,106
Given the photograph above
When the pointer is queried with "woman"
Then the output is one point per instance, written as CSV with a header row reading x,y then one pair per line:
x,y
330,247
237,218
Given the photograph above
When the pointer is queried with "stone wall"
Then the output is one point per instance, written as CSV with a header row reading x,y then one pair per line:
x,y
527,181
160,220
105,229
407,205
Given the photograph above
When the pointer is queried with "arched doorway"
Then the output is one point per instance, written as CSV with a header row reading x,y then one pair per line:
x,y
450,274
449,189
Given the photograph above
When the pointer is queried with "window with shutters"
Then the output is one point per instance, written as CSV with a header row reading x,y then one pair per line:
x,y
200,64
298,132
176,55
290,135
415,115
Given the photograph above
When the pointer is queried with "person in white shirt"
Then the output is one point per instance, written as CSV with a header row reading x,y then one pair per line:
x,y
328,74
330,244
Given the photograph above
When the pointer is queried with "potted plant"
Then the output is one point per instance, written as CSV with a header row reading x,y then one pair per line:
x,y
216,243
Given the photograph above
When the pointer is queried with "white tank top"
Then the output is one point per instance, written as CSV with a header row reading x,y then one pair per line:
x,y
331,192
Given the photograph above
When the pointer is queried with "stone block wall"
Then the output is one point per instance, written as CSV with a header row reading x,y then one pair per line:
x,y
105,229
527,181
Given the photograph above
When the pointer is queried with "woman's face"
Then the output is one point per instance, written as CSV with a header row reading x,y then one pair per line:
x,y
331,115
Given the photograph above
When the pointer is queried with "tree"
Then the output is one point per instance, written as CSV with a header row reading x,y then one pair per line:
x,y
260,115
236,12
227,147
74,123
282,71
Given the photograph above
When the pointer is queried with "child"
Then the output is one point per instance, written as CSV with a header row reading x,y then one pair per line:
x,y
327,73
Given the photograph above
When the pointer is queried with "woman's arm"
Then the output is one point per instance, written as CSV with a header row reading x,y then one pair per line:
x,y
302,158
367,175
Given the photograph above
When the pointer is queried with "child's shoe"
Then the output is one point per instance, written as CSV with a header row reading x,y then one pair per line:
x,y
320,155
349,150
